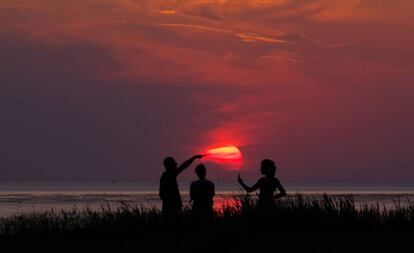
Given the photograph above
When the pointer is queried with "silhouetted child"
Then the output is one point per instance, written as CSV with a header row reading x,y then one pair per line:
x,y
168,191
268,185
201,193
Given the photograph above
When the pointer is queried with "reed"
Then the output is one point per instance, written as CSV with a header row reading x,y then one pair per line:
x,y
295,214
294,224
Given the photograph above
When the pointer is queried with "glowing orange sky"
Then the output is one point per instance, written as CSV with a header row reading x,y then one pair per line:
x,y
323,87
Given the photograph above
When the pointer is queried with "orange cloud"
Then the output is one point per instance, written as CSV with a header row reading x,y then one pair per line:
x,y
168,12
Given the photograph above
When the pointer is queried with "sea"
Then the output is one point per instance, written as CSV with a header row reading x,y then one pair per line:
x,y
25,198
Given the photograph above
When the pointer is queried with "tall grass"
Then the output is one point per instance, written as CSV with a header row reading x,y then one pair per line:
x,y
296,214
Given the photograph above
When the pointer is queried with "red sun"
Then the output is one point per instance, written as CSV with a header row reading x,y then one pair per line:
x,y
228,155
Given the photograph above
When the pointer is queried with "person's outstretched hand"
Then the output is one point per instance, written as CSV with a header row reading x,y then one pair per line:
x,y
198,156
239,179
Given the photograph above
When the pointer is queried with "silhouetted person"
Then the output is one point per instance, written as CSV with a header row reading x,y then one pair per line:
x,y
169,192
268,185
201,193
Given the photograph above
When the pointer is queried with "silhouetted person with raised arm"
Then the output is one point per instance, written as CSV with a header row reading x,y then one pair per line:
x,y
268,186
168,191
201,194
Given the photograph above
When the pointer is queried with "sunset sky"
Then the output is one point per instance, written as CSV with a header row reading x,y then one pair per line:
x,y
101,90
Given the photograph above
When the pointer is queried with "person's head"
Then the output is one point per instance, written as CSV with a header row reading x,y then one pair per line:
x,y
200,170
170,164
268,168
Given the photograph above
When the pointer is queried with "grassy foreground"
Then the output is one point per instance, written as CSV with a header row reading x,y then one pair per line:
x,y
297,224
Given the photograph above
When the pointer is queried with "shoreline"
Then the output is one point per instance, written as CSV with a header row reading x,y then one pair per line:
x,y
28,202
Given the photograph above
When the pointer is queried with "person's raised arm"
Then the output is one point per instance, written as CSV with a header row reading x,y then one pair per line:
x,y
282,192
187,163
246,187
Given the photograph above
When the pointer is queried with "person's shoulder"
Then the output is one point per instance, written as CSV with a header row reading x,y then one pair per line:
x,y
276,180
260,182
210,183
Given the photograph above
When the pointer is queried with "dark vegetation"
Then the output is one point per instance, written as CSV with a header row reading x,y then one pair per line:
x,y
297,224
